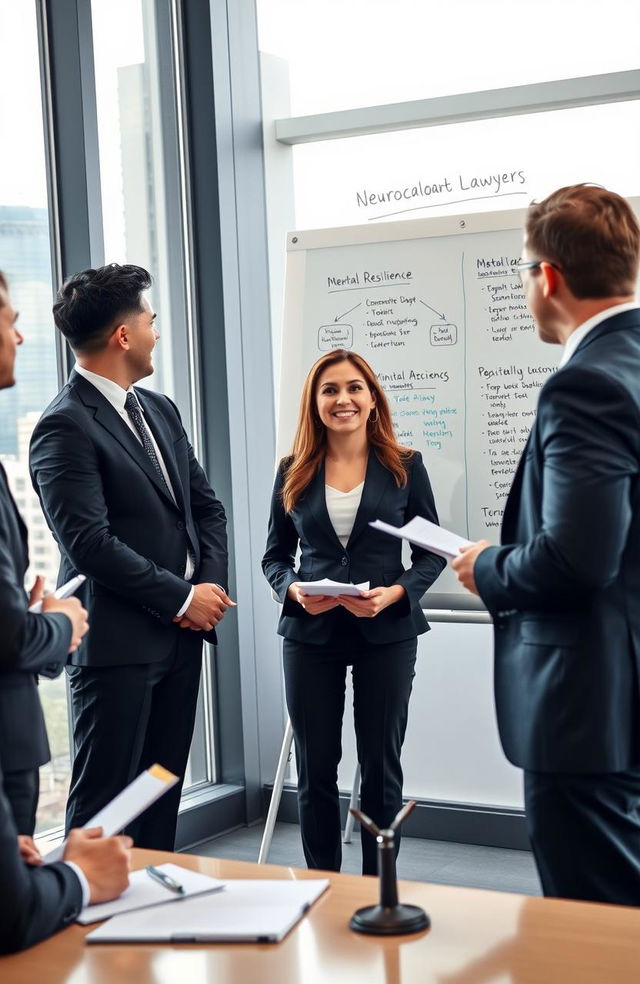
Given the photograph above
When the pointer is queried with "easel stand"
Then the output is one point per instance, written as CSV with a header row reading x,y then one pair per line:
x,y
389,917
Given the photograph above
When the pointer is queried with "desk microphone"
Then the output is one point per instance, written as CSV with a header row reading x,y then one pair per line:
x,y
389,917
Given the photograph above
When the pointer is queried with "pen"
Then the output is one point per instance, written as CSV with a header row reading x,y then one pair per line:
x,y
166,880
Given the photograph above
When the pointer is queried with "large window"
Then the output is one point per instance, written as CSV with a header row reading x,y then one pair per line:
x,y
344,54
141,175
25,258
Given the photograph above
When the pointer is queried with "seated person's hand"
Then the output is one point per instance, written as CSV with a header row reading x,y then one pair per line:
x,y
105,861
28,850
313,604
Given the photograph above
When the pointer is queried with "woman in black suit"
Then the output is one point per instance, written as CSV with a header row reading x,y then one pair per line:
x,y
347,469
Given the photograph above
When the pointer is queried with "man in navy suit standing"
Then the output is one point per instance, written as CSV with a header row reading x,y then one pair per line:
x,y
564,587
131,509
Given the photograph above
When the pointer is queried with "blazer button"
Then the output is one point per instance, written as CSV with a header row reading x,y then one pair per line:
x,y
344,561
179,525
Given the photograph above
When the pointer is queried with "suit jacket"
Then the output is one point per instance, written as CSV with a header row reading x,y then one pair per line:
x,y
115,521
34,901
29,644
564,589
368,556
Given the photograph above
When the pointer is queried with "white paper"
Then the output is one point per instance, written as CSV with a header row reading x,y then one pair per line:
x,y
143,892
126,806
426,534
64,591
332,588
246,910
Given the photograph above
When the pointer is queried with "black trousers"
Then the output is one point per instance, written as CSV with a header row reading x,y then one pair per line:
x,y
585,834
22,790
315,678
126,718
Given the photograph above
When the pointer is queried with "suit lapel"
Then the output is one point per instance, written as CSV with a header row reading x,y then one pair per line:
x,y
157,425
315,503
376,483
108,417
513,499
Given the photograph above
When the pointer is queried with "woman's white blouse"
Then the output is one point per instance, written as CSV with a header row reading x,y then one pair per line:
x,y
342,508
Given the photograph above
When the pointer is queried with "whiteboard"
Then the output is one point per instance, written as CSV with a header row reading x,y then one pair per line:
x,y
437,308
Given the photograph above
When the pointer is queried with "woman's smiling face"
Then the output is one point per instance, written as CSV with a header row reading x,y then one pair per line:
x,y
343,399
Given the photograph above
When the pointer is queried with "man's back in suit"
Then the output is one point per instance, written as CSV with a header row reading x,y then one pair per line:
x,y
564,587
131,509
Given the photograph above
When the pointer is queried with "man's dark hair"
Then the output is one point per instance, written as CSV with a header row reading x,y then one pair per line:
x,y
90,305
592,234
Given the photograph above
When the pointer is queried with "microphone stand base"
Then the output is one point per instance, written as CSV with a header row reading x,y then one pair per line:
x,y
395,921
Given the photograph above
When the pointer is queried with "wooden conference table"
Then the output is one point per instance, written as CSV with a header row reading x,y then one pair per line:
x,y
476,936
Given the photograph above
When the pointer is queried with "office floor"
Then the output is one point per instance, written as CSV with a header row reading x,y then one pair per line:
x,y
420,860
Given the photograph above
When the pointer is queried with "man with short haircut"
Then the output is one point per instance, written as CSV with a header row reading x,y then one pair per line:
x,y
132,510
564,588
36,900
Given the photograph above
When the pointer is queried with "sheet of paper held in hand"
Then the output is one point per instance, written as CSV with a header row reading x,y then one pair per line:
x,y
426,534
126,806
331,588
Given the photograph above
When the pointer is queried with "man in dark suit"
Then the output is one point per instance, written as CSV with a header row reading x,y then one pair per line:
x,y
35,900
29,643
564,588
131,509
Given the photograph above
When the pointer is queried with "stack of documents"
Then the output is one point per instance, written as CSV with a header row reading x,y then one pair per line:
x,y
426,534
332,588
244,911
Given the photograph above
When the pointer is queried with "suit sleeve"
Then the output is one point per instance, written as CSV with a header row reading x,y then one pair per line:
x,y
588,432
425,566
35,902
279,558
31,643
66,475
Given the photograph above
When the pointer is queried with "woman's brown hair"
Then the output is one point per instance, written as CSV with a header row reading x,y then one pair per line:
x,y
310,441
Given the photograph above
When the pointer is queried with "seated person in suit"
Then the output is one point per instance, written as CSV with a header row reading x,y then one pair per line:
x,y
37,900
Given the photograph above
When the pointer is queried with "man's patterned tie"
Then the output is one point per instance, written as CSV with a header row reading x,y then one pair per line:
x,y
132,407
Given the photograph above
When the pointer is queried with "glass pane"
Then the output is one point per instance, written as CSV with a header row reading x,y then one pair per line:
x,y
139,173
343,54
25,258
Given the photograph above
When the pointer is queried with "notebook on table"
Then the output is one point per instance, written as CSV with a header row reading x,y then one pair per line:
x,y
245,911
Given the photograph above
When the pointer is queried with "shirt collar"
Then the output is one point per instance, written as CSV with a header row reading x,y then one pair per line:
x,y
111,391
583,330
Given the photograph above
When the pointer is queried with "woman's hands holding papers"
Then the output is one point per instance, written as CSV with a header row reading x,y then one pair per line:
x,y
367,605
312,604
371,602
